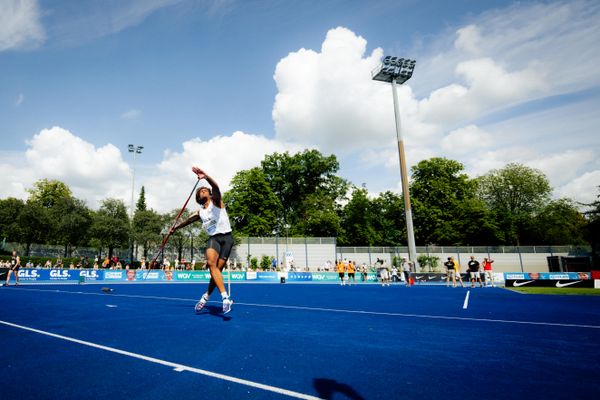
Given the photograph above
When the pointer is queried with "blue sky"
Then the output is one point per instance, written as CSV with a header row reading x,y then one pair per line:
x,y
219,84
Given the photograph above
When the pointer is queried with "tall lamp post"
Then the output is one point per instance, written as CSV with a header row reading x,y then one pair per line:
x,y
397,71
135,150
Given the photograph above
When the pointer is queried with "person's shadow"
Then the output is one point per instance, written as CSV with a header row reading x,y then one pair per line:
x,y
328,387
215,312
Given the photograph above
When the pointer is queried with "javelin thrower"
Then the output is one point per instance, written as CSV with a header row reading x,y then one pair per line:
x,y
215,222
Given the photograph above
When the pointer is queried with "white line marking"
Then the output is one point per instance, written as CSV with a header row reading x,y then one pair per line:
x,y
111,306
466,303
177,367
390,314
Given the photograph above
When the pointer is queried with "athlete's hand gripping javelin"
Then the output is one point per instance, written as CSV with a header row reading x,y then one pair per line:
x,y
199,172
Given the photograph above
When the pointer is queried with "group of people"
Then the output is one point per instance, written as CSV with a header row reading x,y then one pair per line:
x,y
475,270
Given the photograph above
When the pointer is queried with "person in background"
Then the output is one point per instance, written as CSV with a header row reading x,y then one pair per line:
x,y
487,271
13,268
474,271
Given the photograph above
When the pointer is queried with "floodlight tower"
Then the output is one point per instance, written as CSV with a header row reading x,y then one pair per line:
x,y
135,150
397,71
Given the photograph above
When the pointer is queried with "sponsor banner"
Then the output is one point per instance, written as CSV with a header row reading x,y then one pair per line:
x,y
554,276
581,283
91,275
192,276
267,276
51,275
112,275
251,275
235,275
325,276
299,276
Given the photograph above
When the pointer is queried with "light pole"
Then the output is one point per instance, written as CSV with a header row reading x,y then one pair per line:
x,y
397,71
135,150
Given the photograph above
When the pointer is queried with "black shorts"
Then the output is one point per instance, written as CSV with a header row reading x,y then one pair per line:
x,y
221,243
15,267
350,274
341,274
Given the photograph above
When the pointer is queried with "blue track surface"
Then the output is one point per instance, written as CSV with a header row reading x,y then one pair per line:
x,y
326,341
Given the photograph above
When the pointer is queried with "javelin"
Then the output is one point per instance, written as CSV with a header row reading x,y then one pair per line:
x,y
168,235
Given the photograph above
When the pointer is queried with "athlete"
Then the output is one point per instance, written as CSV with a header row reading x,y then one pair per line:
x,y
15,264
215,222
341,269
351,271
474,271
450,273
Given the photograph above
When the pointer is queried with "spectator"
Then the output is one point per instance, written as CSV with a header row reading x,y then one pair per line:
x,y
384,274
59,263
487,271
363,270
395,277
450,272
406,271
48,264
143,263
457,271
474,271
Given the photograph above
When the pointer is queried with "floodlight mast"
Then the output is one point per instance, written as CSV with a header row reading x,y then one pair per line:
x,y
135,150
397,71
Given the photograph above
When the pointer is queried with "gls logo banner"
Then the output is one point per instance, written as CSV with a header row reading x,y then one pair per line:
x,y
29,274
58,274
93,274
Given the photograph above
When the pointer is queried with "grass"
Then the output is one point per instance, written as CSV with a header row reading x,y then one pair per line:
x,y
559,291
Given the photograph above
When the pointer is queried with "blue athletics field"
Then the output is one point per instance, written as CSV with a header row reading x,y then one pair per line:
x,y
144,341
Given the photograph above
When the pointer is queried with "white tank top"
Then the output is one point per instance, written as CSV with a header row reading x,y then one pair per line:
x,y
214,220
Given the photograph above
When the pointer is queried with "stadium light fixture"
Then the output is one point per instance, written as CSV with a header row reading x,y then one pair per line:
x,y
396,71
135,150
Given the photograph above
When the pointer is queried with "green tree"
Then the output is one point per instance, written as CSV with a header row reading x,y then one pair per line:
x,y
438,190
319,216
388,219
110,227
47,192
141,203
295,177
9,213
514,194
252,206
71,220
558,223
34,224
357,222
147,225
592,229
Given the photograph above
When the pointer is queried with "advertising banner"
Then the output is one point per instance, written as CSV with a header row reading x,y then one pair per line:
x,y
583,283
299,276
555,276
267,277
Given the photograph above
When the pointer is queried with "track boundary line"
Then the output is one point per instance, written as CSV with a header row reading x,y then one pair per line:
x,y
176,366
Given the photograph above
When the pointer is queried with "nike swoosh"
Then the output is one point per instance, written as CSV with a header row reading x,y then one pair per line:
x,y
517,284
419,277
431,277
558,284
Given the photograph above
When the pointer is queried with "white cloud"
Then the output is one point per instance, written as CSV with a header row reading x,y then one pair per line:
x,y
20,25
221,157
584,188
496,66
131,114
466,140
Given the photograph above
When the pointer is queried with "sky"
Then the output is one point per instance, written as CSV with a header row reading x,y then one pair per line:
x,y
219,84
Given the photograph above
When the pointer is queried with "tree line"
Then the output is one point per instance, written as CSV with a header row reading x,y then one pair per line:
x,y
302,195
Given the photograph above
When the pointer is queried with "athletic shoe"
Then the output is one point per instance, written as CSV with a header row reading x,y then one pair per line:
x,y
200,305
227,303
